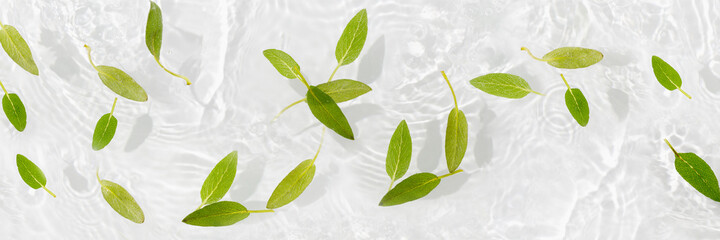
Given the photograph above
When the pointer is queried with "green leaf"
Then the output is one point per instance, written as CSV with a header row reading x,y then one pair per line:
x,y
31,173
15,111
570,57
327,111
352,40
344,89
292,185
121,201
578,106
104,131
399,152
283,62
218,214
154,30
121,83
503,85
456,137
219,180
410,189
666,75
697,172
16,47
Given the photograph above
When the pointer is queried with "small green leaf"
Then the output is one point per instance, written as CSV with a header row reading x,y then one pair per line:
x,y
104,131
410,189
697,172
503,85
577,104
283,62
456,137
121,83
15,111
399,152
219,180
218,214
121,201
344,89
352,40
327,111
292,185
154,30
570,57
31,173
16,47
666,75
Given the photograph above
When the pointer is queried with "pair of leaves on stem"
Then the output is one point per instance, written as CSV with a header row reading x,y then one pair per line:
x,y
119,81
153,37
667,76
697,173
120,200
212,211
105,129
322,105
16,47
31,174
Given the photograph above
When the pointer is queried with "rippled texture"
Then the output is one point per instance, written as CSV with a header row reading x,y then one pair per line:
x,y
531,171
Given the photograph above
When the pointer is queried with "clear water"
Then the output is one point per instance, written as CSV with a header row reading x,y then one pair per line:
x,y
531,171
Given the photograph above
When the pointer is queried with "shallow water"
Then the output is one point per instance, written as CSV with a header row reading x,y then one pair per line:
x,y
531,171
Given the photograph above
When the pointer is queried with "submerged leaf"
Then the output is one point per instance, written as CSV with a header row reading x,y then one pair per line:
x,y
121,83
570,57
283,62
16,47
412,188
697,172
292,185
15,111
666,75
456,136
220,179
344,89
218,214
503,85
153,30
104,131
121,201
328,113
399,152
353,39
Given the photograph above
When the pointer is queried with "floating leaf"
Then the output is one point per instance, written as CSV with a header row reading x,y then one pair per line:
x,y
153,37
292,185
697,172
219,180
577,104
570,57
119,81
412,188
328,113
218,214
283,62
352,40
15,111
456,136
666,75
16,47
399,152
31,173
344,89
121,201
105,129
503,85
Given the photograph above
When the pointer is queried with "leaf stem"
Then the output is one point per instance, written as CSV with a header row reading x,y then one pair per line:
x,y
451,88
97,174
112,110
322,139
391,185
671,147
566,83
261,211
450,174
48,190
333,73
531,55
187,81
3,86
90,58
683,92
2,25
537,93
302,78
286,108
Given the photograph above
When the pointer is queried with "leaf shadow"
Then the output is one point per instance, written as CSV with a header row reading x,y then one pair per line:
x,y
431,151
483,149
247,182
313,193
139,133
449,185
371,65
711,82
619,102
